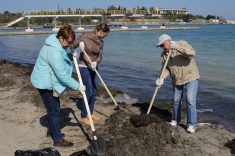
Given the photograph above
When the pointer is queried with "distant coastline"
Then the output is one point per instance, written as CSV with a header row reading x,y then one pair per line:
x,y
117,25
86,30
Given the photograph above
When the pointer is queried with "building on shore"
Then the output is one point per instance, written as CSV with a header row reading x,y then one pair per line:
x,y
134,16
173,11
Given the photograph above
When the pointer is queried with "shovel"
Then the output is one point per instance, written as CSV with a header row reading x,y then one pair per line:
x,y
97,144
97,73
156,90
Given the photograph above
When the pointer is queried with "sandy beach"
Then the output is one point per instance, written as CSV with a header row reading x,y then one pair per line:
x,y
127,132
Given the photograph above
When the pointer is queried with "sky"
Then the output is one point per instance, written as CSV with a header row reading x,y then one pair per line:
x,y
224,8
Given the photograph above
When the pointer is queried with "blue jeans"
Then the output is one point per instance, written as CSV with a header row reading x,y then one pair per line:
x,y
52,105
191,93
90,80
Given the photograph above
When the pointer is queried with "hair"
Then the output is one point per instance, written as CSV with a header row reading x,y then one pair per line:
x,y
102,27
66,32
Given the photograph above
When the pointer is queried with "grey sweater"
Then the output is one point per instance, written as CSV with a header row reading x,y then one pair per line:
x,y
93,47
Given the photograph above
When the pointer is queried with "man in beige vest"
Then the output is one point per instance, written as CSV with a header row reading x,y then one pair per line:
x,y
184,73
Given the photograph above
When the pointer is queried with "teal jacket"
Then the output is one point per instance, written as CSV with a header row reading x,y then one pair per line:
x,y
60,67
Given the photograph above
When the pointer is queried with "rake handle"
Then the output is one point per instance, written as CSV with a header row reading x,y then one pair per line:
x,y
156,90
101,79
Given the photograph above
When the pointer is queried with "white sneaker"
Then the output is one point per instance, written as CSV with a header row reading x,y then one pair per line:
x,y
173,123
191,129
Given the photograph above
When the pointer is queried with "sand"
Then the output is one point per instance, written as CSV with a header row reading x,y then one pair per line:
x,y
128,131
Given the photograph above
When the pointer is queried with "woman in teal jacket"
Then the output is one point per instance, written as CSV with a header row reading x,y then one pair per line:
x,y
52,74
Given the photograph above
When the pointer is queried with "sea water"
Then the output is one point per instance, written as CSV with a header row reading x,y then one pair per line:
x,y
131,63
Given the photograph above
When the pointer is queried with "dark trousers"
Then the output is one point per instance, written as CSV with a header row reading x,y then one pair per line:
x,y
90,80
52,105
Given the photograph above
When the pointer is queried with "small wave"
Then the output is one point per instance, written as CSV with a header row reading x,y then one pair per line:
x,y
204,110
122,98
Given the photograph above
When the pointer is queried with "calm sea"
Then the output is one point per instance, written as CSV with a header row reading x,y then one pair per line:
x,y
131,63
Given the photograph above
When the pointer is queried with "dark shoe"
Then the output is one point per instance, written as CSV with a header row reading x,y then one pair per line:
x,y
63,143
49,134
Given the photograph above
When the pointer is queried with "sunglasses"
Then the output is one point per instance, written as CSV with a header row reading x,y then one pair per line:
x,y
69,42
162,45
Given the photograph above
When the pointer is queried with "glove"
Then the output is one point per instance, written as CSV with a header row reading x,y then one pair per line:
x,y
73,52
82,88
82,46
159,82
93,65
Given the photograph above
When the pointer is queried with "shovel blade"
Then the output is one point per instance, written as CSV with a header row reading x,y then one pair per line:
x,y
117,108
98,146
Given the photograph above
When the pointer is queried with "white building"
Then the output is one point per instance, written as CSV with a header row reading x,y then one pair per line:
x,y
213,20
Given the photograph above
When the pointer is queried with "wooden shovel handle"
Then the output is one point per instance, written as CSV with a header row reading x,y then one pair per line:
x,y
101,79
85,98
156,90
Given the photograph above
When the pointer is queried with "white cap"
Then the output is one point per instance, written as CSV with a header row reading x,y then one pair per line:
x,y
163,38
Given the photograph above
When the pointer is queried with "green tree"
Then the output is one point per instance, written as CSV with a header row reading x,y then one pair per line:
x,y
210,17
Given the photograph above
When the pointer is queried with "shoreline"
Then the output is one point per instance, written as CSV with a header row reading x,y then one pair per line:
x,y
203,114
23,123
